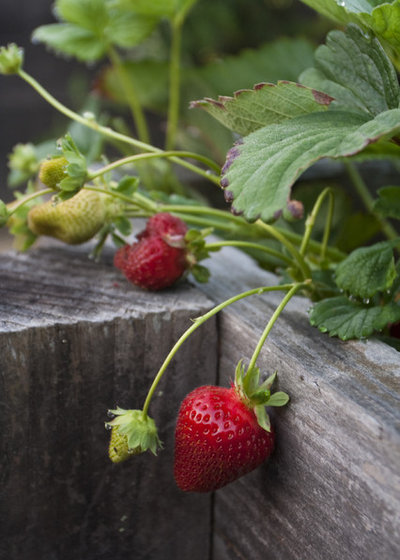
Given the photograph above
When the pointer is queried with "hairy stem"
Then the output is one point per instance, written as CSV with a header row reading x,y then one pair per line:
x,y
197,323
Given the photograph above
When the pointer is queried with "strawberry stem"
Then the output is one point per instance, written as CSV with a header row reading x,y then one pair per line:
x,y
107,131
292,291
310,222
249,245
15,204
138,157
202,319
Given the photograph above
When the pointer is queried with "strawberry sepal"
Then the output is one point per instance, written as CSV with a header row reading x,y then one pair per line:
x,y
139,429
257,396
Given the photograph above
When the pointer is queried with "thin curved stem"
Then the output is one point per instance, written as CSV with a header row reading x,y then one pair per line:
x,y
174,85
249,245
367,198
197,323
152,155
109,132
310,222
294,288
131,97
16,204
303,266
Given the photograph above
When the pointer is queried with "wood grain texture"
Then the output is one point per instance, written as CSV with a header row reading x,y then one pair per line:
x,y
75,340
332,488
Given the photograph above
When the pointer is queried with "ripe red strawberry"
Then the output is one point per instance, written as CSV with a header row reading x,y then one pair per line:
x,y
151,263
165,225
222,434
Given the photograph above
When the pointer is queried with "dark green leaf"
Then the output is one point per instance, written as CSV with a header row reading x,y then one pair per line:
x,y
258,174
354,69
339,316
388,203
368,270
266,104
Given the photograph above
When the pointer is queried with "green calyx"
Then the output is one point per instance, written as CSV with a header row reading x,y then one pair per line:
x,y
139,429
258,396
196,251
11,59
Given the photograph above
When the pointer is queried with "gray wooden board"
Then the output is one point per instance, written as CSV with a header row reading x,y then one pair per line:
x,y
332,488
75,340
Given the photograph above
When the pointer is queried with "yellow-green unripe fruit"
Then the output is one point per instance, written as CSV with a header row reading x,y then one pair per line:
x,y
73,221
53,171
118,450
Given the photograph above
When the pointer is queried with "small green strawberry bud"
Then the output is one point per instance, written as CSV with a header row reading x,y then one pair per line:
x,y
74,220
139,431
118,449
53,171
11,59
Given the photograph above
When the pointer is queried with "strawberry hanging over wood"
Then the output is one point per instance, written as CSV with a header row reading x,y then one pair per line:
x,y
224,433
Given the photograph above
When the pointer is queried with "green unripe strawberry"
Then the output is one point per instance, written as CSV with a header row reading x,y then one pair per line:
x,y
118,449
73,221
53,171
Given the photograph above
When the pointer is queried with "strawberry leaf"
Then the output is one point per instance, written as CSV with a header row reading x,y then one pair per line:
x,y
368,270
354,69
381,16
89,27
278,399
158,8
342,317
388,202
258,174
266,104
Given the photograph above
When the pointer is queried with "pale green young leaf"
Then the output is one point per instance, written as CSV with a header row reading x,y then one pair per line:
x,y
259,173
368,270
388,202
265,104
4,214
88,28
69,39
339,316
353,68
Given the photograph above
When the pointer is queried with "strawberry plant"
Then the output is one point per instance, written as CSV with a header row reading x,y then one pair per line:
x,y
253,142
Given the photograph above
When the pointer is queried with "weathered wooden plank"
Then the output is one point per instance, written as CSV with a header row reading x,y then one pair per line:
x,y
75,340
332,488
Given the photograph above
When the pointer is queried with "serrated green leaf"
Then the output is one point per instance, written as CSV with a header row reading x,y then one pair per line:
x,y
89,27
259,173
382,17
70,39
368,270
388,203
353,68
339,316
266,104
